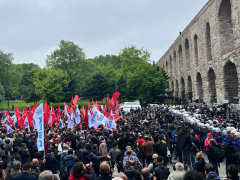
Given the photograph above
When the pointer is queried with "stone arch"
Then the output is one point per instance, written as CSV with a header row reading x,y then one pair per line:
x,y
180,58
183,88
187,53
208,42
196,49
177,88
199,86
175,62
226,27
230,81
170,64
190,88
211,78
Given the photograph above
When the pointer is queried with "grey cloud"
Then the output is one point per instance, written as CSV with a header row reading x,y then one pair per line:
x,y
32,29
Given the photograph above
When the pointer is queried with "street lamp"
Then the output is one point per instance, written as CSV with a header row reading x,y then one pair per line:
x,y
8,84
80,89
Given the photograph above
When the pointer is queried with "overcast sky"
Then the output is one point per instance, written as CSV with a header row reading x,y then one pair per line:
x,y
32,29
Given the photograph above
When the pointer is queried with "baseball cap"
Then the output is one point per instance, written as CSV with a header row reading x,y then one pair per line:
x,y
57,139
209,134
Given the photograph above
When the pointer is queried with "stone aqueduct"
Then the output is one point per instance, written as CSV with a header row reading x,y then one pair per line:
x,y
204,60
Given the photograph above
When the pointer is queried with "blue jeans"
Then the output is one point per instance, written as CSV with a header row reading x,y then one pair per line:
x,y
192,159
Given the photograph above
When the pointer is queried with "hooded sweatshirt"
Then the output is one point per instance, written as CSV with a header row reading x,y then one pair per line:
x,y
184,140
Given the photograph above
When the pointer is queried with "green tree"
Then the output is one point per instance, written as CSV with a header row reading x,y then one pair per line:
x,y
132,57
97,88
122,88
29,66
28,88
108,59
70,56
49,84
15,77
146,83
71,89
1,93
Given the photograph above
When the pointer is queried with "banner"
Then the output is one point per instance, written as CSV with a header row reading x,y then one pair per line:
x,y
9,129
70,122
98,116
61,124
77,116
39,119
110,124
93,122
26,123
114,99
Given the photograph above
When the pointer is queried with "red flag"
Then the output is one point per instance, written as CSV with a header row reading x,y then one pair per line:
x,y
35,107
20,121
114,99
89,106
30,116
53,116
83,113
24,114
59,113
75,100
86,116
9,119
118,106
46,113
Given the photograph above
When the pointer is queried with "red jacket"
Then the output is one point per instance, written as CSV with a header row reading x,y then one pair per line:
x,y
141,140
207,145
198,138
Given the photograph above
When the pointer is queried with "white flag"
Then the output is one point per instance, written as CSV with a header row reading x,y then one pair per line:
x,y
70,122
61,124
77,116
26,124
50,117
93,119
110,124
14,119
9,129
97,115
38,118
34,124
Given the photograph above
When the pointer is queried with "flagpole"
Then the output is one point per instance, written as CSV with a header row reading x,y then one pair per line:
x,y
80,89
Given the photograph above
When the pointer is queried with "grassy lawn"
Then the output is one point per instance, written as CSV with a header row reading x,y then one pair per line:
x,y
21,104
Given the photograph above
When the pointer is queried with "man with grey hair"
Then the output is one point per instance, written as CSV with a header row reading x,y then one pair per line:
x,y
105,171
122,176
46,175
16,168
35,168
130,149
177,172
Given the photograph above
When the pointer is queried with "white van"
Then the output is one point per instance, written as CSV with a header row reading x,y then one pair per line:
x,y
127,106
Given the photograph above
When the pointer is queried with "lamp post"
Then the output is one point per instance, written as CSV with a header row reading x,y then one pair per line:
x,y
80,89
8,84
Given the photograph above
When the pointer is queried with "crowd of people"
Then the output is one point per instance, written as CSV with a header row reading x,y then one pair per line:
x,y
143,145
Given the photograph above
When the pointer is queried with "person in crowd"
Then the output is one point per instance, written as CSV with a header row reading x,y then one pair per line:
x,y
24,152
110,141
213,176
185,144
103,146
2,174
137,148
207,141
119,163
161,148
145,174
131,173
177,172
232,156
105,171
16,156
69,160
81,143
46,175
212,154
154,164
95,163
193,175
50,161
26,174
130,149
232,170
161,172
147,149
35,171
200,164
122,176
208,168
16,169
88,156
113,153
195,140
64,153
138,166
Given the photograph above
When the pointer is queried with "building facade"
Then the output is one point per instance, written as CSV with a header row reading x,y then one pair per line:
x,y
204,60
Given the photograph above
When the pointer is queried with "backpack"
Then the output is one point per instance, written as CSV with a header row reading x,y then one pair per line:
x,y
194,148
164,173
69,165
132,177
218,155
162,149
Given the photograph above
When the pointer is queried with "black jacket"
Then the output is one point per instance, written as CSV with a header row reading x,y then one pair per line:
x,y
51,163
199,166
184,140
131,172
104,176
18,142
24,155
24,176
195,141
96,162
122,143
88,156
